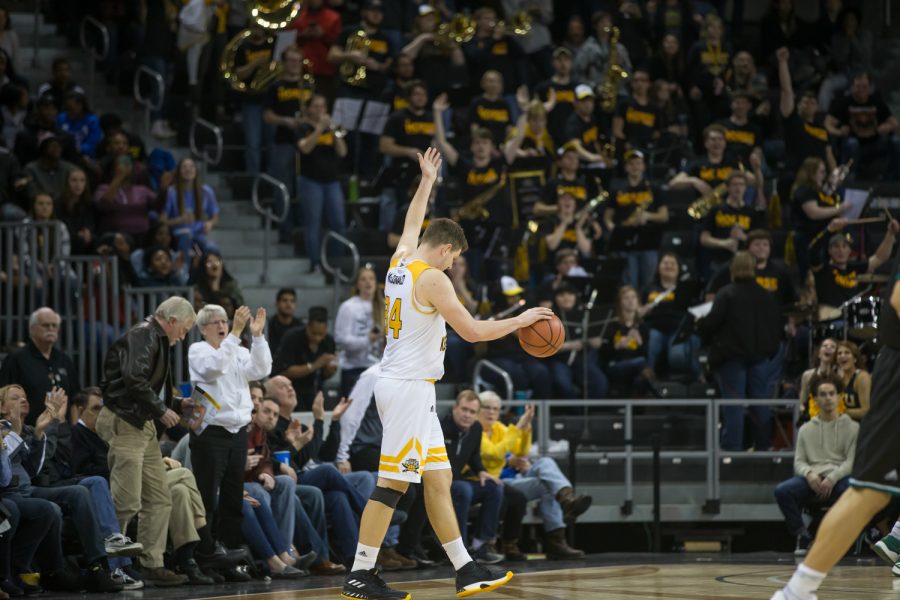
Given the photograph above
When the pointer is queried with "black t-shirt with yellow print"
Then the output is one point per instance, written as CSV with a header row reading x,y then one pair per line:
x,y
712,173
380,49
641,122
581,189
562,110
800,219
247,53
615,333
719,222
409,129
774,278
667,315
322,163
493,115
835,285
587,132
475,180
804,140
625,202
741,139
286,99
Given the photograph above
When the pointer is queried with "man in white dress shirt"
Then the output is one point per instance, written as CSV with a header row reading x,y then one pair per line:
x,y
223,369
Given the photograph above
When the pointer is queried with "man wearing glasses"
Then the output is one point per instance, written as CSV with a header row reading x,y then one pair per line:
x,y
39,366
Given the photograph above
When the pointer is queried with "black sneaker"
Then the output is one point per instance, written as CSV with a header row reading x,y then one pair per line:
x,y
221,556
100,579
474,579
803,544
487,555
367,585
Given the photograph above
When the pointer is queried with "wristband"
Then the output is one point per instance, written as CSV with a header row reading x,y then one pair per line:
x,y
310,367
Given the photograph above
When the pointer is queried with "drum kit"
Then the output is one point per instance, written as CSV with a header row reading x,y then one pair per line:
x,y
855,320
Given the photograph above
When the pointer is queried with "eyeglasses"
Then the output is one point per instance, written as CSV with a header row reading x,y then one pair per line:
x,y
218,322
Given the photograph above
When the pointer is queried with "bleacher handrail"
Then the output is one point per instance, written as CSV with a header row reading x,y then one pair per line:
x,y
148,101
336,271
36,30
478,380
95,55
205,157
269,215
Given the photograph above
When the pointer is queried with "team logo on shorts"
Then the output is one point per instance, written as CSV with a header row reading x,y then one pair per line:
x,y
410,465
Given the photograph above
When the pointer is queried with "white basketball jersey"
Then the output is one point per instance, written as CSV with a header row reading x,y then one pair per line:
x,y
416,336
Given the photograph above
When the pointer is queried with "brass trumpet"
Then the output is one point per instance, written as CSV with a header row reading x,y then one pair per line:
x,y
355,74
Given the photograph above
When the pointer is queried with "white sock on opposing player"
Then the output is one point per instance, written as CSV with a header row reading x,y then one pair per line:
x,y
805,582
457,553
365,557
895,531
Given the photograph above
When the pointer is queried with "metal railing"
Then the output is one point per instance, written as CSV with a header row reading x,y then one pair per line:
x,y
95,55
141,302
37,32
546,430
202,153
269,215
336,271
151,102
479,383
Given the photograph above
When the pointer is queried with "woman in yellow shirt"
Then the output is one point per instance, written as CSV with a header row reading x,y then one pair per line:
x,y
503,445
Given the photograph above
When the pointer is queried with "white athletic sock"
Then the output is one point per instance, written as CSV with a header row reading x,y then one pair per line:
x,y
457,553
895,531
364,559
805,582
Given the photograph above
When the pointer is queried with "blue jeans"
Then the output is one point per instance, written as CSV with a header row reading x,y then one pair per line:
x,y
740,379
490,495
75,502
256,133
640,268
282,166
682,358
626,371
105,510
794,493
544,480
280,502
565,377
36,528
185,240
343,503
260,531
456,358
526,372
320,200
311,532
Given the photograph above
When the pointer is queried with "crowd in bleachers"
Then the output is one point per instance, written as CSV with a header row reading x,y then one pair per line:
x,y
620,162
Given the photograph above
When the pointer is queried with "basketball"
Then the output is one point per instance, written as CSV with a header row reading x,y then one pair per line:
x,y
544,338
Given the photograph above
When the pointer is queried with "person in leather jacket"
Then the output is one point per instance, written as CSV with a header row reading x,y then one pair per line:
x,y
137,390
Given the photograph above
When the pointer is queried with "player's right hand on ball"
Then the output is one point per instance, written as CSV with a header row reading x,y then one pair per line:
x,y
533,315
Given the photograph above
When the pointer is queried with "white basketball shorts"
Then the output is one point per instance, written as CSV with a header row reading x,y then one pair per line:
x,y
413,441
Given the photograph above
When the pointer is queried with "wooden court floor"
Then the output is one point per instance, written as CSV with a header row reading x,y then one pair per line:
x,y
625,582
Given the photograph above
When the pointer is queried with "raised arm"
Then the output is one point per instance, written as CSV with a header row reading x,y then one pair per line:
x,y
784,80
430,164
883,253
434,289
440,137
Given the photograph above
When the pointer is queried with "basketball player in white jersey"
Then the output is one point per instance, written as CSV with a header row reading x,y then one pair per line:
x,y
418,299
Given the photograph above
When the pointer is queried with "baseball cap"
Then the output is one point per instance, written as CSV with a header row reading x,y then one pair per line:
x,y
425,9
629,154
562,50
510,286
583,91
838,238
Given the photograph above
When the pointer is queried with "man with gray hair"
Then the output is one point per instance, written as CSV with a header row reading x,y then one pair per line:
x,y
137,390
222,368
40,366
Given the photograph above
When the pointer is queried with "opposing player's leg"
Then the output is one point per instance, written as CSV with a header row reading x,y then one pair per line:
x,y
471,577
888,548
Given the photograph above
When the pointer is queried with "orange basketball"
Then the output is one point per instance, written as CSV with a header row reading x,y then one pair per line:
x,y
544,338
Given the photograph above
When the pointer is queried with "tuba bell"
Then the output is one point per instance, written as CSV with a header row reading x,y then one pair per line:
x,y
273,14
459,30
520,24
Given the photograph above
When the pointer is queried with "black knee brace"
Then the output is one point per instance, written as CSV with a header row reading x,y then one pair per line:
x,y
387,496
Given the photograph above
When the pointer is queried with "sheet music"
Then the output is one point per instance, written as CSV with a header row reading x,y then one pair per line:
x,y
701,310
857,201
